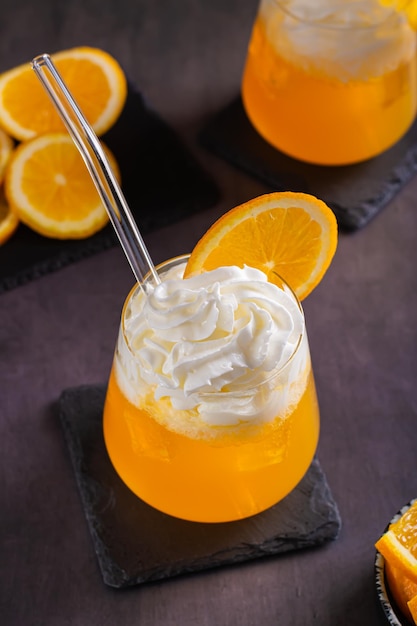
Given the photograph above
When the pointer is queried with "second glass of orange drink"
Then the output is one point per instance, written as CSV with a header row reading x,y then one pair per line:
x,y
211,412
331,82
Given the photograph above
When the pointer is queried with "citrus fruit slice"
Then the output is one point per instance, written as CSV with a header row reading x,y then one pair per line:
x,y
402,588
49,188
412,607
284,234
8,219
6,149
94,78
398,545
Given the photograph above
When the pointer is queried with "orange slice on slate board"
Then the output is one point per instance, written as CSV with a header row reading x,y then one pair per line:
x,y
50,190
94,78
284,234
8,219
6,149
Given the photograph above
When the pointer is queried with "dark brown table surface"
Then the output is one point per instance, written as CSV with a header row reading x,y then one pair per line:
x,y
59,331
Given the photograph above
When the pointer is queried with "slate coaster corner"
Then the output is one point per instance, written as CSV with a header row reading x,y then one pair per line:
x,y
135,543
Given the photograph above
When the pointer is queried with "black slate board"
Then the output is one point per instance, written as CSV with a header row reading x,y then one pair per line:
x,y
161,180
135,543
356,193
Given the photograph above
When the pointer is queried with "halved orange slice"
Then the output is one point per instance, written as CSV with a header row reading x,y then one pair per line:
x,y
8,219
49,188
6,149
398,544
94,78
284,234
402,588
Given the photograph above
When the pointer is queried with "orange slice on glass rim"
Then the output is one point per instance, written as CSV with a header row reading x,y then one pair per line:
x,y
94,78
287,235
398,544
50,190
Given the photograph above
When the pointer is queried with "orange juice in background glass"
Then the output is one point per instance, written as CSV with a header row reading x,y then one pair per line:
x,y
189,427
331,82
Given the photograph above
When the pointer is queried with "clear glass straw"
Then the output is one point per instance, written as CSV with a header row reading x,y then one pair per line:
x,y
99,168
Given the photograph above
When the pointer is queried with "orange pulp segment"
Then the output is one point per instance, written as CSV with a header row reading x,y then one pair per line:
x,y
284,234
94,78
49,188
412,607
398,545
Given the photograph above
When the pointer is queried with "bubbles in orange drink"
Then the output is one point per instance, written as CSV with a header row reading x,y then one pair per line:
x,y
203,480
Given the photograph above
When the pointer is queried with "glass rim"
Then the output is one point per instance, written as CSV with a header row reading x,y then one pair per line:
x,y
274,373
281,4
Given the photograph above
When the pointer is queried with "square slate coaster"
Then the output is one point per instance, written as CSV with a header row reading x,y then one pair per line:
x,y
161,180
135,543
356,193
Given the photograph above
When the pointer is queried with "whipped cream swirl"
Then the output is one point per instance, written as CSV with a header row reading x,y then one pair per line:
x,y
198,340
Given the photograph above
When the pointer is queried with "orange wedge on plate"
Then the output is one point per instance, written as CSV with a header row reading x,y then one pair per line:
x,y
94,78
284,234
8,219
402,588
398,544
50,190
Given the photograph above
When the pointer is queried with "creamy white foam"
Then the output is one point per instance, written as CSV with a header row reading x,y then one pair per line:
x,y
206,348
359,39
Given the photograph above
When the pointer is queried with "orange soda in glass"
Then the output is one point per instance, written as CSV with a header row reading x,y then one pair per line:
x,y
331,82
211,412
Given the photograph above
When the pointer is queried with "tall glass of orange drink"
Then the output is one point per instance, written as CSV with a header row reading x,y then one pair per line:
x,y
331,82
211,412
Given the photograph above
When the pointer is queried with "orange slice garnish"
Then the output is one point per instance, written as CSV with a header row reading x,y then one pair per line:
x,y
398,545
8,219
284,234
49,188
94,78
